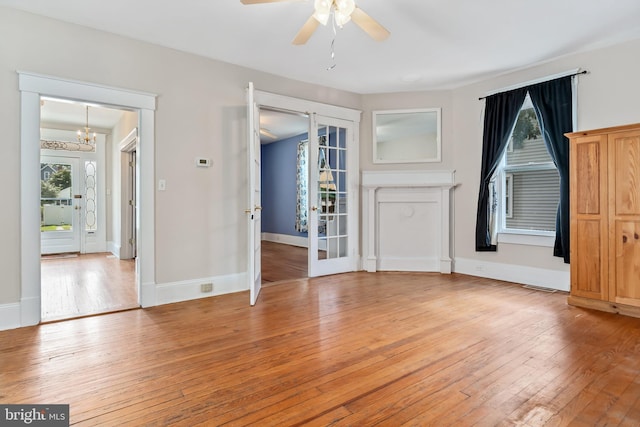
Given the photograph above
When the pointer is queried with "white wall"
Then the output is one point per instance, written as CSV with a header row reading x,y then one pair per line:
x,y
200,222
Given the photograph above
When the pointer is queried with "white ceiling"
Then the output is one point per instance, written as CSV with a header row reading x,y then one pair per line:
x,y
64,114
434,44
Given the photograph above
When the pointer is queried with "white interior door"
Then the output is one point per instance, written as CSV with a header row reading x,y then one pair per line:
x,y
60,205
253,211
333,183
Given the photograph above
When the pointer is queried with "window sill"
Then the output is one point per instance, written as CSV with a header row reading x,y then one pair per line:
x,y
527,238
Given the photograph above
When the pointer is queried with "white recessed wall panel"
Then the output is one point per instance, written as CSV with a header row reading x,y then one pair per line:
x,y
409,235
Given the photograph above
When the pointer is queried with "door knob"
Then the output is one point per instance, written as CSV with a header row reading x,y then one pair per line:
x,y
258,208
314,208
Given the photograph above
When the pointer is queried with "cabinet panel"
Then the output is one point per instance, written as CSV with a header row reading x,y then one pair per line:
x,y
626,184
589,231
587,158
627,262
589,275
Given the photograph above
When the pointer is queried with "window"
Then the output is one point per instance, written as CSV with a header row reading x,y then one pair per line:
x,y
553,101
508,195
528,184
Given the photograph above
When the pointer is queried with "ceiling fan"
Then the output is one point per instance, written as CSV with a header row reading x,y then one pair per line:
x,y
343,12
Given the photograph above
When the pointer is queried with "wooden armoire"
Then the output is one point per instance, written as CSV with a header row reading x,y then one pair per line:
x,y
605,219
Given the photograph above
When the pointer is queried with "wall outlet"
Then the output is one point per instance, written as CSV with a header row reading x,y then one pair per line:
x,y
206,287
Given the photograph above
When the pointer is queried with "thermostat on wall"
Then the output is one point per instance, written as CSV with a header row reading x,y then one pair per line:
x,y
202,162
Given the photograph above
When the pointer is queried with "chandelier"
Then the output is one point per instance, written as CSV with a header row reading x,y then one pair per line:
x,y
87,139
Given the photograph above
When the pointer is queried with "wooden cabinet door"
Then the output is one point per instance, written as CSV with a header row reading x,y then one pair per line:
x,y
624,214
589,231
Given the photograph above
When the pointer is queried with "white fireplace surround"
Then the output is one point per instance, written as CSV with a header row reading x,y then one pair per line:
x,y
407,220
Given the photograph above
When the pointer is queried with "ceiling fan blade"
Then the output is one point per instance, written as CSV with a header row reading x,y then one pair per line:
x,y
306,31
369,25
261,1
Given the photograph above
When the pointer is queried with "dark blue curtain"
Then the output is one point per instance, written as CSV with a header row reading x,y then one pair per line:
x,y
552,102
501,112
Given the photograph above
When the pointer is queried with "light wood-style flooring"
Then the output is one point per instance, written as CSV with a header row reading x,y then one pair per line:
x,y
82,285
357,349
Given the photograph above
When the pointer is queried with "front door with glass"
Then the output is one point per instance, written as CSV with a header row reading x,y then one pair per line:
x,y
60,205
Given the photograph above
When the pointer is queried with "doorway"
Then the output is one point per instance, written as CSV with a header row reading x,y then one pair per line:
x,y
337,129
81,273
284,245
34,86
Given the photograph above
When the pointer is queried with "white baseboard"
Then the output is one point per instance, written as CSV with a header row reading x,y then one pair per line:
x,y
167,293
114,248
286,239
542,277
10,316
148,295
30,311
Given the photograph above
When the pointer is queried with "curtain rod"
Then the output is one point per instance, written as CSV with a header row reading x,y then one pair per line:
x,y
531,83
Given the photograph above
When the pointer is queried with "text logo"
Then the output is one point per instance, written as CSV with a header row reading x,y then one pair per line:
x,y
34,415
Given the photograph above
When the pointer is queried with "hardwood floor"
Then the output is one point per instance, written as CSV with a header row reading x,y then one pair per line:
x,y
282,262
82,285
357,349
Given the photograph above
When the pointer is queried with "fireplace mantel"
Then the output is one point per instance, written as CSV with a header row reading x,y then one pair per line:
x,y
407,220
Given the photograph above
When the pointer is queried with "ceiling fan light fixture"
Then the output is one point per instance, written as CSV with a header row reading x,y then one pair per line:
x,y
343,11
322,10
341,18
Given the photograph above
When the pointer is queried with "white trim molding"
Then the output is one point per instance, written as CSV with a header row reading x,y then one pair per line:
x,y
532,276
32,86
10,316
406,190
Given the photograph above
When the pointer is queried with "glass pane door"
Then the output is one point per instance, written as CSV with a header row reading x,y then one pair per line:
x,y
332,193
59,205
331,198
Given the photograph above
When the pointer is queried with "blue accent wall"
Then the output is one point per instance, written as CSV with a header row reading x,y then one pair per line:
x,y
279,164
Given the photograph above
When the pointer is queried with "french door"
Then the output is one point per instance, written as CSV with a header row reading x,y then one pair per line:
x,y
332,194
254,209
333,177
